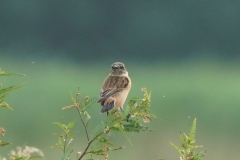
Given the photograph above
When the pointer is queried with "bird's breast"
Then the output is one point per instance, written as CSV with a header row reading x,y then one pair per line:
x,y
121,96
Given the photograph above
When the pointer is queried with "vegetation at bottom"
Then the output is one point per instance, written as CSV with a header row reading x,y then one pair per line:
x,y
133,119
98,143
21,153
187,148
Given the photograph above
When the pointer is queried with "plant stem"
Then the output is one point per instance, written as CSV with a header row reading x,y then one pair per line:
x,y
65,141
89,143
78,106
85,126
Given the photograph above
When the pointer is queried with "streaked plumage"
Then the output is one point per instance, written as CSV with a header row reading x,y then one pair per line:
x,y
115,88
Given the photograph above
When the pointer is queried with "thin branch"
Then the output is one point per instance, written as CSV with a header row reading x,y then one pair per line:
x,y
65,141
89,143
85,126
115,149
79,112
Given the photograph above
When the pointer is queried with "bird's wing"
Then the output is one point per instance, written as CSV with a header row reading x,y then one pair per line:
x,y
113,85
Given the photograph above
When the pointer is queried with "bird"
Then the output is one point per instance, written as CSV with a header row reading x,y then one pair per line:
x,y
115,88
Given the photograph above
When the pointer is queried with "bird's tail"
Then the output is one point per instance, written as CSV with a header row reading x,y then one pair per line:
x,y
107,107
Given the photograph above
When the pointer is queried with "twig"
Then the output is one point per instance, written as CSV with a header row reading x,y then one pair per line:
x,y
85,126
65,141
115,149
79,112
89,143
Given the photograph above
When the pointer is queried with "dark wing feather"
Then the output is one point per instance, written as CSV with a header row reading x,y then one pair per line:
x,y
107,107
107,94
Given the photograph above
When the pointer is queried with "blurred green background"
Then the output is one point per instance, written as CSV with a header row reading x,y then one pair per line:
x,y
186,53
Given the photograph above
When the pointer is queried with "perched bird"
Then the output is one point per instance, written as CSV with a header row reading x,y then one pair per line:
x,y
115,88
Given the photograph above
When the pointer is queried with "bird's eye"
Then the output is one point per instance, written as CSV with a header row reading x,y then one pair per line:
x,y
121,67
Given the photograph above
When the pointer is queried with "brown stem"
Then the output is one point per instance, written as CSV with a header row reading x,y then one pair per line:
x,y
85,126
89,143
78,106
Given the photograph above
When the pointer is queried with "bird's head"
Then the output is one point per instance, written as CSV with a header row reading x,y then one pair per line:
x,y
118,68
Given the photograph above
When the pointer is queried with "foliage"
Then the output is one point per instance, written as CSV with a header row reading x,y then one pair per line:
x,y
187,149
98,143
20,153
65,139
4,92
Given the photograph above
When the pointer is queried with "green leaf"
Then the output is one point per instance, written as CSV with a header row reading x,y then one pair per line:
x,y
185,140
199,156
60,143
194,147
105,141
4,143
131,128
3,97
131,105
5,92
132,101
86,104
193,129
97,152
117,126
178,149
89,102
62,126
70,124
134,126
8,89
70,135
2,73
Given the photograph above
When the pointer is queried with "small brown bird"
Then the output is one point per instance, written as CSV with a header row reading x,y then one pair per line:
x,y
115,88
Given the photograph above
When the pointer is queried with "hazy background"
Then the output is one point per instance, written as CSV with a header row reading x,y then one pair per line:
x,y
186,52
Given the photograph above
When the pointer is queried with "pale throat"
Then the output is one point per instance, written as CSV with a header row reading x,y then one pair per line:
x,y
119,74
125,74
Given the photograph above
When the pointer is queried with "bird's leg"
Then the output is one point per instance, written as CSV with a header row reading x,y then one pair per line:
x,y
122,110
128,116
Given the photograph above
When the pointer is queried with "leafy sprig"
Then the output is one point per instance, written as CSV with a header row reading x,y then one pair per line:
x,y
98,143
4,92
65,139
187,149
